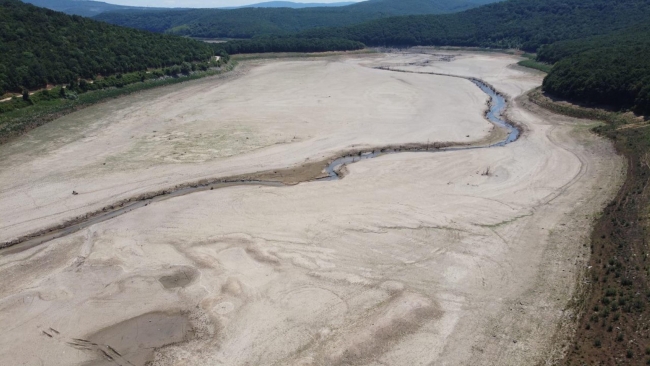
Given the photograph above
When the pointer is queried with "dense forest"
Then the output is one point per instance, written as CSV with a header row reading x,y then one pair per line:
x,y
250,22
40,46
287,44
601,47
612,70
524,24
637,35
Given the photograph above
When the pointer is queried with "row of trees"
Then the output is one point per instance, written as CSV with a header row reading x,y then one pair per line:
x,y
76,87
288,44
40,47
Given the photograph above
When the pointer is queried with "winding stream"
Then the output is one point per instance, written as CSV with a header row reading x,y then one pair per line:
x,y
494,114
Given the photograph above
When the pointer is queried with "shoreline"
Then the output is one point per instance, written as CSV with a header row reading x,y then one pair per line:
x,y
601,302
38,115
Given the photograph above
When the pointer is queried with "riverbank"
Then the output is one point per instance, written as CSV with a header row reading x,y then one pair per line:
x,y
20,121
333,170
614,305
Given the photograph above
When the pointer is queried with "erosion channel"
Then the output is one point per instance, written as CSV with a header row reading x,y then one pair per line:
x,y
494,114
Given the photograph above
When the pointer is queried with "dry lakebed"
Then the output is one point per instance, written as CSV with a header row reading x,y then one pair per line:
x,y
232,239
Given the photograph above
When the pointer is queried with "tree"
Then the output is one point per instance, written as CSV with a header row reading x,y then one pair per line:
x,y
186,68
73,85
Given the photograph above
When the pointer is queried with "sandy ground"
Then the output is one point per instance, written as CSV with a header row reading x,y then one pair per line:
x,y
412,259
274,116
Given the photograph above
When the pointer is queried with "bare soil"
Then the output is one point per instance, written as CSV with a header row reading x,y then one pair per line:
x,y
456,258
613,319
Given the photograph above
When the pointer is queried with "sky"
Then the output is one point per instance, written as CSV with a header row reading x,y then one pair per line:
x,y
204,3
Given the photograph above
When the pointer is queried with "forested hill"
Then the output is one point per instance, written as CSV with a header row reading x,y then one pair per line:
x,y
408,7
250,22
40,46
635,36
525,24
612,70
602,47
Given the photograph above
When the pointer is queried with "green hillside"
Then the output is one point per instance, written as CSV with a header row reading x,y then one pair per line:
x,y
250,22
525,24
611,70
602,47
40,46
636,35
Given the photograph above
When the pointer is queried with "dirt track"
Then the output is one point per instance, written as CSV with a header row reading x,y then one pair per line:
x,y
411,259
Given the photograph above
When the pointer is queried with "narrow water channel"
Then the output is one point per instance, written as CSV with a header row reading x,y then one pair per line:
x,y
494,114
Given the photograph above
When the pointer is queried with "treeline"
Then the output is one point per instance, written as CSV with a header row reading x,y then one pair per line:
x,y
76,87
251,22
523,24
611,70
40,47
288,44
636,35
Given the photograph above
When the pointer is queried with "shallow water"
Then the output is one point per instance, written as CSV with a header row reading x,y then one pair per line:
x,y
498,105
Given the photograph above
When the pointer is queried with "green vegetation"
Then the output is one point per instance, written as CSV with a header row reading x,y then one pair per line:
x,y
60,102
536,65
611,70
77,62
284,55
601,48
616,76
285,44
250,22
76,87
533,64
615,309
40,47
636,35
523,24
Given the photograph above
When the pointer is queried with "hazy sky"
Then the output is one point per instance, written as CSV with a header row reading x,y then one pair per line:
x,y
205,3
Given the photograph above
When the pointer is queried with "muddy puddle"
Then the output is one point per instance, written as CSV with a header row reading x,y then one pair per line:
x,y
133,341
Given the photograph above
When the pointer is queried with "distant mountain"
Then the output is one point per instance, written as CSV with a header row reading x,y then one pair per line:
x,y
290,4
524,24
90,8
78,7
249,22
